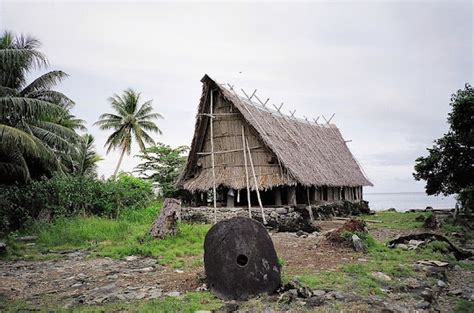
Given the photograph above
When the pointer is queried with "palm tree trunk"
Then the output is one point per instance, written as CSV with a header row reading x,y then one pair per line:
x,y
119,162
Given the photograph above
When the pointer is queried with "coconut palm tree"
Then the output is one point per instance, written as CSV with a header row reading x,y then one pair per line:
x,y
130,121
35,121
87,157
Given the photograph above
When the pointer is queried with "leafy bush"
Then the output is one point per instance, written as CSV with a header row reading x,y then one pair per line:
x,y
64,196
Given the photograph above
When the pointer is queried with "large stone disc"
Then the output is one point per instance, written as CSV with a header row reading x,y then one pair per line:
x,y
240,260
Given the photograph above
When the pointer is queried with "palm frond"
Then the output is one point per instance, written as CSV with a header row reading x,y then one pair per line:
x,y
45,82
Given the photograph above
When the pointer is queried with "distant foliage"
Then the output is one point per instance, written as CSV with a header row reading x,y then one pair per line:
x,y
449,166
163,164
64,196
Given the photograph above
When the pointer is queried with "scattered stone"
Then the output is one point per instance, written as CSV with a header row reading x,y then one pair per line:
x,y
27,238
173,294
203,287
318,292
433,263
357,243
179,271
79,284
403,246
231,306
441,284
131,258
422,305
281,210
352,226
427,294
455,292
381,276
392,210
300,233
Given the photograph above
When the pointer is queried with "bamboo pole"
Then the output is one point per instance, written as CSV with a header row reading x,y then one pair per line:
x,y
256,183
212,160
246,172
311,217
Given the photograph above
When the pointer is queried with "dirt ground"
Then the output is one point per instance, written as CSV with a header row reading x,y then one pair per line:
x,y
78,279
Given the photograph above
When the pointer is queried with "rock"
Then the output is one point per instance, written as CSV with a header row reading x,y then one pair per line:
x,y
431,222
300,233
173,294
422,305
27,238
3,247
281,210
403,246
315,301
381,276
166,222
318,293
414,244
240,260
230,307
45,216
427,294
392,210
179,271
203,287
455,292
131,258
357,243
441,284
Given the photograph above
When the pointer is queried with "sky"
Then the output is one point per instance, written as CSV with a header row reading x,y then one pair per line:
x,y
387,69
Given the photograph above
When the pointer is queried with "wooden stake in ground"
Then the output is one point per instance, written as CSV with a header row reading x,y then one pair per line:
x,y
246,172
211,117
166,222
256,182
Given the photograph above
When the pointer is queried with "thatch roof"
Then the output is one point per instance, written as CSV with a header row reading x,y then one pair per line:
x,y
312,154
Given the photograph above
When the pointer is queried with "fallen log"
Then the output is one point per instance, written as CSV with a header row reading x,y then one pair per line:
x,y
349,218
459,254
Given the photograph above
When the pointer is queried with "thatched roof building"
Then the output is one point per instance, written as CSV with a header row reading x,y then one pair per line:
x,y
284,152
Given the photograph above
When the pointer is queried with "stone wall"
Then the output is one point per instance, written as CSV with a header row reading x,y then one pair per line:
x,y
281,218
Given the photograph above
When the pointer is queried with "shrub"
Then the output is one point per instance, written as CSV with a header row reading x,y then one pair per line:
x,y
64,196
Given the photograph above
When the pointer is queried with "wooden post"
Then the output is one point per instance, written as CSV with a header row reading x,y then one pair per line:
x,y
292,195
256,182
277,196
311,217
313,195
212,159
246,173
230,198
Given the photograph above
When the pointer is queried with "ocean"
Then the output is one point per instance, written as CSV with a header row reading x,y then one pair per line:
x,y
404,201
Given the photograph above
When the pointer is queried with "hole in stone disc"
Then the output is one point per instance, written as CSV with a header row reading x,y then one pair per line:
x,y
242,260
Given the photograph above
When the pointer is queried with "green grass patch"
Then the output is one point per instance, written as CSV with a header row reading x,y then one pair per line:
x,y
190,302
116,238
396,220
464,306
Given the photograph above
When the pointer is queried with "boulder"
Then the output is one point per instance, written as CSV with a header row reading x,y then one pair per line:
x,y
166,222
240,260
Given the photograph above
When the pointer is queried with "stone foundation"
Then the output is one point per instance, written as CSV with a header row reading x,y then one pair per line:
x,y
289,219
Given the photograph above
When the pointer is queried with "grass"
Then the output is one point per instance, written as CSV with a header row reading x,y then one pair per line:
x,y
464,306
116,238
190,302
396,220
357,277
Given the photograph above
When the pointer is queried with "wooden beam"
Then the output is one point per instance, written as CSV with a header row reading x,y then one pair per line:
x,y
246,173
212,161
226,151
256,182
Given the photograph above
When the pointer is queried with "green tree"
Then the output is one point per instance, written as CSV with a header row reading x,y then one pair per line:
x,y
449,166
86,158
163,164
36,126
130,120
